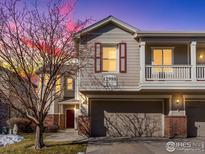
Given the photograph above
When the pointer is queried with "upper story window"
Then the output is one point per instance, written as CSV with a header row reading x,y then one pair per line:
x,y
43,81
110,57
58,84
69,84
69,87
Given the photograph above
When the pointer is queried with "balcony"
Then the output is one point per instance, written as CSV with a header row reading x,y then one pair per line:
x,y
167,73
173,65
173,72
200,72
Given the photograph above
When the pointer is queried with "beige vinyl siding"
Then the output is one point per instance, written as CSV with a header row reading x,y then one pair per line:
x,y
89,80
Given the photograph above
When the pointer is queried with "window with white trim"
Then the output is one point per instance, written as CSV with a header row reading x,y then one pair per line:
x,y
162,57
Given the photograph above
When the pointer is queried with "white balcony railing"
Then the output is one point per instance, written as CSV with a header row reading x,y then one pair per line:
x,y
168,72
200,72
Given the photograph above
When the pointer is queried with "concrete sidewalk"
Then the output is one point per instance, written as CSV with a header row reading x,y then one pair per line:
x,y
70,135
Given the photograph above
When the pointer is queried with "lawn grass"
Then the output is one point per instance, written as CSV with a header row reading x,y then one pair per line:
x,y
27,147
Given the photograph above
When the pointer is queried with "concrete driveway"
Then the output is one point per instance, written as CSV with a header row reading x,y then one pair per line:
x,y
145,146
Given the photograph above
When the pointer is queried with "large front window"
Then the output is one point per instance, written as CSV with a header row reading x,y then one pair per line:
x,y
109,59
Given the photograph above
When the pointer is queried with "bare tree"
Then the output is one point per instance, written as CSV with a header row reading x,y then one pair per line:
x,y
36,49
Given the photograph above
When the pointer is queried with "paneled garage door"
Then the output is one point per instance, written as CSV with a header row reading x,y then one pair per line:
x,y
126,118
195,111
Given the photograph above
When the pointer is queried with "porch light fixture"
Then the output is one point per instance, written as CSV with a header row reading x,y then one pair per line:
x,y
201,56
177,101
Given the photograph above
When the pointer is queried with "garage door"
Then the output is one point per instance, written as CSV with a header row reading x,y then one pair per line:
x,y
126,118
196,118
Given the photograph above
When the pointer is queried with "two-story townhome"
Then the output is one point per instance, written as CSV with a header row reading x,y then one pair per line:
x,y
139,83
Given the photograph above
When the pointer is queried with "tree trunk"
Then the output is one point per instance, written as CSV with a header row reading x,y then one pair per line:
x,y
39,137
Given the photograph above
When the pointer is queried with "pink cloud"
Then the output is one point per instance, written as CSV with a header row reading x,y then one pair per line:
x,y
12,26
75,26
67,6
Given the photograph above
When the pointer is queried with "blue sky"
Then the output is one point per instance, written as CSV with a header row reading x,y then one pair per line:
x,y
159,15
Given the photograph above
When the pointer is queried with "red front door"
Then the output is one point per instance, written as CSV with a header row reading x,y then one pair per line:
x,y
70,119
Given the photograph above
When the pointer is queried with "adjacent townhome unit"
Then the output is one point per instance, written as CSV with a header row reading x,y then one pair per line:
x,y
139,83
63,109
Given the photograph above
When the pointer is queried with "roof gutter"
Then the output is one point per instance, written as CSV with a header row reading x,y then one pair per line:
x,y
170,34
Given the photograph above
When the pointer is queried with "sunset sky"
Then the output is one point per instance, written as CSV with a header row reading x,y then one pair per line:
x,y
175,15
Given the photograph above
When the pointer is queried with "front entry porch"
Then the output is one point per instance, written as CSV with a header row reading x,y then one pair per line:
x,y
68,112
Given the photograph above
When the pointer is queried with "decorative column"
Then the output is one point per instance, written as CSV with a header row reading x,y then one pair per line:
x,y
193,60
142,62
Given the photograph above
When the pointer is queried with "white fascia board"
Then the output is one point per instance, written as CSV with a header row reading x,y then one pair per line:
x,y
107,20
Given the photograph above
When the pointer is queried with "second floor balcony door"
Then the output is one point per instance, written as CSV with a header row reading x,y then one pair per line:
x,y
161,59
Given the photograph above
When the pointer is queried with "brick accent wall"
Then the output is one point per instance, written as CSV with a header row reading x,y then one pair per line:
x,y
53,119
84,125
62,121
175,126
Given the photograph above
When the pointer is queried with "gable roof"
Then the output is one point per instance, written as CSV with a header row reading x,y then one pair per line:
x,y
135,31
109,19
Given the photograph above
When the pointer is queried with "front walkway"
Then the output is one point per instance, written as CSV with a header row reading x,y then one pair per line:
x,y
70,135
